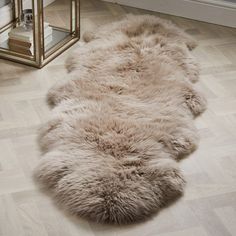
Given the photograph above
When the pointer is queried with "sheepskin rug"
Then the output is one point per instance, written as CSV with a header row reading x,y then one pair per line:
x,y
121,120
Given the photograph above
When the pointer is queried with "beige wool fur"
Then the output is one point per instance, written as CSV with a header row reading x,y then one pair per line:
x,y
121,120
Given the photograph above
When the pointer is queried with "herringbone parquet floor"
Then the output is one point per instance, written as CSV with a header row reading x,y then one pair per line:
x,y
209,205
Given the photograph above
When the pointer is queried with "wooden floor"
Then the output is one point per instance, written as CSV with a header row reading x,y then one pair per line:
x,y
209,204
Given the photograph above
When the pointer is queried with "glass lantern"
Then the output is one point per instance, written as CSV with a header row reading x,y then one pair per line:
x,y
34,32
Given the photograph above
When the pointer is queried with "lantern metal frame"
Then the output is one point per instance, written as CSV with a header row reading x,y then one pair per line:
x,y
40,56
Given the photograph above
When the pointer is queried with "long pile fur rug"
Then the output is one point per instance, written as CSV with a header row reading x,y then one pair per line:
x,y
121,120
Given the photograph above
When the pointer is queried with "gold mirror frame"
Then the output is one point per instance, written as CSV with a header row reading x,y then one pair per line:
x,y
40,56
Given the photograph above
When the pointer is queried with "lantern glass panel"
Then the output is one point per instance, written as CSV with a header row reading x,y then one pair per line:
x,y
57,24
6,18
17,36
25,42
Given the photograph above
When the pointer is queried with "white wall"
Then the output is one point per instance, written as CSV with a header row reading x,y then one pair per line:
x,y
213,11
